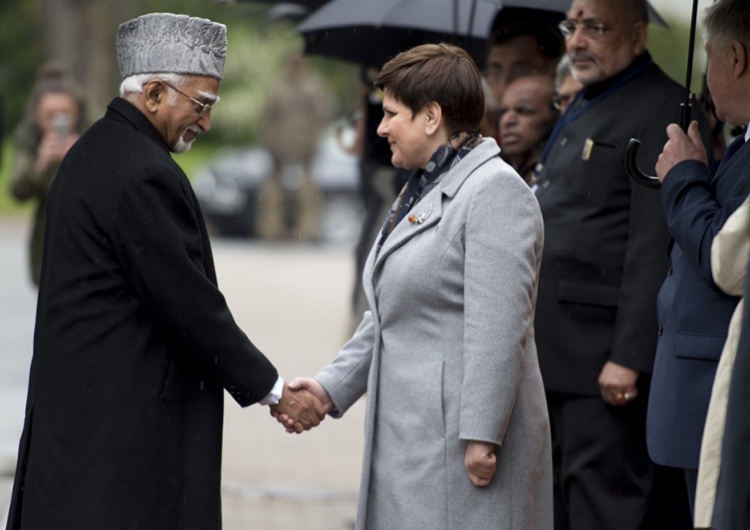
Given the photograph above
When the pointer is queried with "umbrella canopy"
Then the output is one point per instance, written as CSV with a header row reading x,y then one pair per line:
x,y
370,32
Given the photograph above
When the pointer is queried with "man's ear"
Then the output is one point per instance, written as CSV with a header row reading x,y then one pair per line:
x,y
153,93
433,117
640,36
738,55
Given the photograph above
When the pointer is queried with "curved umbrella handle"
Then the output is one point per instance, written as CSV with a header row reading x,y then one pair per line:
x,y
634,172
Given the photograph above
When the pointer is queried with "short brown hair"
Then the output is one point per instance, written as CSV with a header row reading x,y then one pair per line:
x,y
442,73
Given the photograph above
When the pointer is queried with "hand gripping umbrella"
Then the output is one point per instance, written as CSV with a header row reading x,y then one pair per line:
x,y
631,155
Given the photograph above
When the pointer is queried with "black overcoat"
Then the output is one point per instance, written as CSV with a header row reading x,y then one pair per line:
x,y
133,346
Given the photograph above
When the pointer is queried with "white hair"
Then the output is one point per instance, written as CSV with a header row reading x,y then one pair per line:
x,y
134,83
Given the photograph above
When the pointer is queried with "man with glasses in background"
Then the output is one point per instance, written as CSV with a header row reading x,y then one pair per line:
x,y
134,344
604,259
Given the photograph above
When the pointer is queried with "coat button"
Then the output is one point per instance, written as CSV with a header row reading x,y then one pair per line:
x,y
660,330
669,272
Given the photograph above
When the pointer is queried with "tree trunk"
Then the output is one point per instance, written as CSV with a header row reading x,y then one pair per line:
x,y
81,34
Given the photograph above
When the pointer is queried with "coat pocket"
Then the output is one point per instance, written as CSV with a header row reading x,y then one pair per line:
x,y
410,397
696,346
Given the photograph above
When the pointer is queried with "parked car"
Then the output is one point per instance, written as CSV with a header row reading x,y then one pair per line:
x,y
228,189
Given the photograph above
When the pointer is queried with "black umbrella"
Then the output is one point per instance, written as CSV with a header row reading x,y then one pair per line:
x,y
686,108
370,32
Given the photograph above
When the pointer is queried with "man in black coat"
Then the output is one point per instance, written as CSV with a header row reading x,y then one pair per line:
x,y
134,344
604,259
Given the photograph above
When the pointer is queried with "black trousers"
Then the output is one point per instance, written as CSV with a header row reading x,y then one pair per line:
x,y
604,478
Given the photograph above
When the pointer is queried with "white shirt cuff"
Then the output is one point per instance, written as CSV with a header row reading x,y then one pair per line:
x,y
274,396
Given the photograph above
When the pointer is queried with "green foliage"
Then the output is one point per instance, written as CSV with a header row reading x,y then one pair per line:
x,y
8,205
669,48
257,52
22,54
200,154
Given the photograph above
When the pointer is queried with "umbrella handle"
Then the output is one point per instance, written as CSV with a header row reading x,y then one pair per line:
x,y
635,173
631,154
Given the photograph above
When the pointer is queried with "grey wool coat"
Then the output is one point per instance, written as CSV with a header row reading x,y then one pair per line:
x,y
446,354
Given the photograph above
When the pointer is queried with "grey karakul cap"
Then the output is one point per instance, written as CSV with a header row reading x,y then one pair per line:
x,y
165,42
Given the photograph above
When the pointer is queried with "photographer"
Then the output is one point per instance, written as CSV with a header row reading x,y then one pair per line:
x,y
52,123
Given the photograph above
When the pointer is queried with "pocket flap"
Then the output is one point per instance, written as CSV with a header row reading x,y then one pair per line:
x,y
695,346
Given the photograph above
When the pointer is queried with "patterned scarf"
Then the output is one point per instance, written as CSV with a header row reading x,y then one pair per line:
x,y
423,180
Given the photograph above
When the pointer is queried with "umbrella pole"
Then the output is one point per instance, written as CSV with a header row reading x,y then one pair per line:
x,y
686,108
455,18
472,14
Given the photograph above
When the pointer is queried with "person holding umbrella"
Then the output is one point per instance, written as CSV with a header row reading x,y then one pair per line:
x,y
604,260
694,314
457,435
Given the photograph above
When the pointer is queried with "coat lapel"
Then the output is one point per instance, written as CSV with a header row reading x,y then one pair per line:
x,y
428,211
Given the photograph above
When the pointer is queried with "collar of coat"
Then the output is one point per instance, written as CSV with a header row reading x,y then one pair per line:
x,y
124,112
429,210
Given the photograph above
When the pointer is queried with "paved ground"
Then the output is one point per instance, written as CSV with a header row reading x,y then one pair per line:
x,y
292,301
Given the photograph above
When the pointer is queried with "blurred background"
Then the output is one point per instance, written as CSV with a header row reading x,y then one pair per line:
x,y
80,33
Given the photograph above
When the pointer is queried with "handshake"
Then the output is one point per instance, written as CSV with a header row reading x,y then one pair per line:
x,y
303,405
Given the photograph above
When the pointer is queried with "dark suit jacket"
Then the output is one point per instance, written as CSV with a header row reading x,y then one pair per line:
x,y
693,312
605,237
133,346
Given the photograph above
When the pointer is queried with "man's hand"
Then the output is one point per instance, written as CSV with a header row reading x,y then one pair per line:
x,y
617,384
680,147
300,409
480,462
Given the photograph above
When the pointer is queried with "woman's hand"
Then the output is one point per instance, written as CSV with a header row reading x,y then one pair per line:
x,y
480,462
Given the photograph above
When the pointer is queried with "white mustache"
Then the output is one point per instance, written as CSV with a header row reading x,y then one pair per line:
x,y
577,55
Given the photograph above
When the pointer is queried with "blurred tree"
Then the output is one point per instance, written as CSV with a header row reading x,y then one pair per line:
x,y
669,47
22,55
81,33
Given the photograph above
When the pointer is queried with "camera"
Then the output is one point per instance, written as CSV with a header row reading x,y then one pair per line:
x,y
62,124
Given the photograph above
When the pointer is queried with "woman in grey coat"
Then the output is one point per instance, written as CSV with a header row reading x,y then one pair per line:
x,y
457,434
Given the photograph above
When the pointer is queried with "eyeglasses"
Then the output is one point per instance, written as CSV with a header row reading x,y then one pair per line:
x,y
592,28
202,108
